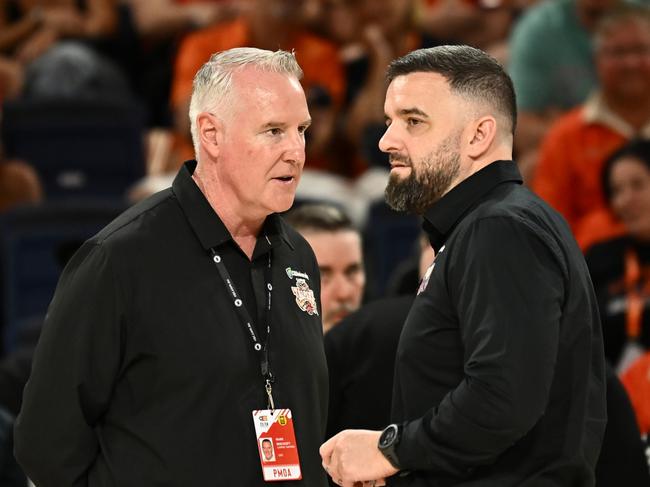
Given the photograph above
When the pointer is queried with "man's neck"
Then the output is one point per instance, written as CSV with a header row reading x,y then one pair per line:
x,y
635,111
243,228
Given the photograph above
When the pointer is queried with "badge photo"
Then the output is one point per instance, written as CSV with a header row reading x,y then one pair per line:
x,y
276,442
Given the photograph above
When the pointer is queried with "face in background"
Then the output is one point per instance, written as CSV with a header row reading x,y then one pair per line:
x,y
342,20
261,149
629,183
425,122
343,279
623,60
267,450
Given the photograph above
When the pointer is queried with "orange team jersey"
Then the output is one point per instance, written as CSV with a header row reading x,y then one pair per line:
x,y
636,380
317,57
568,172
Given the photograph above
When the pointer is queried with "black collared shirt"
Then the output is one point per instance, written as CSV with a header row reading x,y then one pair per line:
x,y
500,371
145,375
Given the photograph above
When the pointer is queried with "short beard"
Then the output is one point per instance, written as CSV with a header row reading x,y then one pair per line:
x,y
422,188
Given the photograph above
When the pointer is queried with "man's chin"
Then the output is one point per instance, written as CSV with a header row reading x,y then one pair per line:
x,y
400,172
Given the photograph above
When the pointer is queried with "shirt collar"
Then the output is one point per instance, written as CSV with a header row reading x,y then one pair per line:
x,y
443,216
597,111
206,223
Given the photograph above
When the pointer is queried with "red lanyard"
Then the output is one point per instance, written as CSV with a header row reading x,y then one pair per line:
x,y
635,298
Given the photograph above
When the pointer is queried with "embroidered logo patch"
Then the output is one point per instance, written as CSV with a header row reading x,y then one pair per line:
x,y
291,273
425,280
304,297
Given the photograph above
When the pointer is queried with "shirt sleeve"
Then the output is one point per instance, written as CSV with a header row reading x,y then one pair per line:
x,y
75,366
507,288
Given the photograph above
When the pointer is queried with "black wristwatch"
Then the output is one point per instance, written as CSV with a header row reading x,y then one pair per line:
x,y
388,441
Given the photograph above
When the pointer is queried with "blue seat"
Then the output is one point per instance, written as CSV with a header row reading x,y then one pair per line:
x,y
35,243
80,148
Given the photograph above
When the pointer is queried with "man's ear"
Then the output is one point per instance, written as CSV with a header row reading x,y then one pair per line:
x,y
210,131
483,131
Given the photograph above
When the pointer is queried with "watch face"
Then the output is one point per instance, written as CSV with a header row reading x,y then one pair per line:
x,y
388,435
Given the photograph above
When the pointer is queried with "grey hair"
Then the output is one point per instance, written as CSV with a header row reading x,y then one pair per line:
x,y
212,83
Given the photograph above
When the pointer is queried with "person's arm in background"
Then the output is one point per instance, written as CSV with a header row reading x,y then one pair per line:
x,y
99,19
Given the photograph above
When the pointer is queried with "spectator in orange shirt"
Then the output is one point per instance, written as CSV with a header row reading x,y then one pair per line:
x,y
266,24
574,151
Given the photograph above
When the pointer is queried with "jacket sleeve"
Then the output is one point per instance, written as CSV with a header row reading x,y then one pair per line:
x,y
508,290
74,370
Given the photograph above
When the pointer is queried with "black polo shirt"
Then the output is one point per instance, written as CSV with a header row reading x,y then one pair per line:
x,y
145,375
499,376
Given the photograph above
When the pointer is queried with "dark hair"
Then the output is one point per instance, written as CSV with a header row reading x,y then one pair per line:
x,y
469,71
266,440
321,217
638,149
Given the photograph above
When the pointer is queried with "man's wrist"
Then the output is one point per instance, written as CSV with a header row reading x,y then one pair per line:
x,y
387,444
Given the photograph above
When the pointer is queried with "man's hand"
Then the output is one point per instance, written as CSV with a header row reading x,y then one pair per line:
x,y
352,459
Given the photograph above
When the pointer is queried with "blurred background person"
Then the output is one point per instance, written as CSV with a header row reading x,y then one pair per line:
x,y
620,267
337,246
568,175
361,358
552,67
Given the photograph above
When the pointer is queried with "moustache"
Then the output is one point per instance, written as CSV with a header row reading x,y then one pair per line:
x,y
399,158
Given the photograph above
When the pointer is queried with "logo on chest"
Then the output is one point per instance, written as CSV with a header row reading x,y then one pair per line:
x,y
305,298
427,275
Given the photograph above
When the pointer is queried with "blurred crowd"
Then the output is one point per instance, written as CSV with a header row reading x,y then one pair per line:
x,y
581,70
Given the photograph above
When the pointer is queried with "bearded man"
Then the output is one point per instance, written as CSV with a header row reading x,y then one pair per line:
x,y
499,374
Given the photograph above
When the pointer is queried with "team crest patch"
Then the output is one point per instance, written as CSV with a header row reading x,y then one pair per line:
x,y
304,297
425,280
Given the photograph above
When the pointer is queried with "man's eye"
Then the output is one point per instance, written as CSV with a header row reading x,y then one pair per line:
x,y
275,131
412,122
303,128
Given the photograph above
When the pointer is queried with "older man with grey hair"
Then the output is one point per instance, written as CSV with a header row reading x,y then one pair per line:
x,y
188,331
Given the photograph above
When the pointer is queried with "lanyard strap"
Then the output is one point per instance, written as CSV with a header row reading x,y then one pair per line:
x,y
633,285
260,348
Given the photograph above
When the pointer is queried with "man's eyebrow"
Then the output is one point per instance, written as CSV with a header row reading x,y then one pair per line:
x,y
269,125
412,111
283,125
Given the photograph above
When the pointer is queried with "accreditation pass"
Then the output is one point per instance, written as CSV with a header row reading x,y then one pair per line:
x,y
276,442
